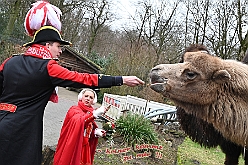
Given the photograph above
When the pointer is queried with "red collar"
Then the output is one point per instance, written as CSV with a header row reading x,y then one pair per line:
x,y
84,107
39,51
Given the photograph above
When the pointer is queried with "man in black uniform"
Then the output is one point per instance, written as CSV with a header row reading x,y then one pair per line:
x,y
26,84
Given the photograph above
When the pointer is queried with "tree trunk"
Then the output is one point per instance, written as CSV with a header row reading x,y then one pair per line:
x,y
15,10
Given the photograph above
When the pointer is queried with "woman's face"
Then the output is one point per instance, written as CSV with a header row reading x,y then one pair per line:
x,y
88,98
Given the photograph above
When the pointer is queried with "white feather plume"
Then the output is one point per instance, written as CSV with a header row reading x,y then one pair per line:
x,y
42,13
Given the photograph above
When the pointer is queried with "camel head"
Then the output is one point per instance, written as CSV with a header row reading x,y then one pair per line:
x,y
195,81
209,88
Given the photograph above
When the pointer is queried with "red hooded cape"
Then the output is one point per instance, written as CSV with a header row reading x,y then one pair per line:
x,y
73,148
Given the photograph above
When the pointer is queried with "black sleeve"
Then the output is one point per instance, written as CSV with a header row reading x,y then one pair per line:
x,y
106,81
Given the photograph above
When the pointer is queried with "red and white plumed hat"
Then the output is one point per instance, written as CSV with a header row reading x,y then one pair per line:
x,y
42,13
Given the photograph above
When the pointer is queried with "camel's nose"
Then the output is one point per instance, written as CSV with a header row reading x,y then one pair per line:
x,y
154,77
155,69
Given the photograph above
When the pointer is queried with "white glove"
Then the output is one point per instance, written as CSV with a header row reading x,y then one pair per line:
x,y
99,111
100,132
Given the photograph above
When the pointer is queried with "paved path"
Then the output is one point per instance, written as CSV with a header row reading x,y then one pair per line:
x,y
55,113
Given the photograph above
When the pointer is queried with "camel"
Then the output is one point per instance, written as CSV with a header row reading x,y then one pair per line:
x,y
212,92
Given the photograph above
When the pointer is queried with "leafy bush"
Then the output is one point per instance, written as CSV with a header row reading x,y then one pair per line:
x,y
136,129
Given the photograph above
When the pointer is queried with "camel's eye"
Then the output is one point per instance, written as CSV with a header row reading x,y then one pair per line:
x,y
191,75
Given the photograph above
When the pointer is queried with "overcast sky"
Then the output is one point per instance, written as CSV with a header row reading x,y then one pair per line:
x,y
123,9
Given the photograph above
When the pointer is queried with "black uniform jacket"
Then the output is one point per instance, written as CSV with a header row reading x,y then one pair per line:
x,y
27,82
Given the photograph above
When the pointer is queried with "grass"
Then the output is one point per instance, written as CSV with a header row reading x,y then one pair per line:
x,y
136,129
190,153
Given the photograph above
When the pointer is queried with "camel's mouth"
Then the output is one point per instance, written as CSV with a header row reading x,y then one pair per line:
x,y
159,86
158,82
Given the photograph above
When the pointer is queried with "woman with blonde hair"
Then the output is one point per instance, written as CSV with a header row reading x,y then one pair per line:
x,y
79,133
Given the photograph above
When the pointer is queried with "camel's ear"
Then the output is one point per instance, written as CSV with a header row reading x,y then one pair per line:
x,y
221,76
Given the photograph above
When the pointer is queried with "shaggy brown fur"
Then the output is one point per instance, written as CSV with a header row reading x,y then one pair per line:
x,y
206,135
209,88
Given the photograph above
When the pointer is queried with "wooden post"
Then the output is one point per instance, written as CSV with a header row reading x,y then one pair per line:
x,y
125,111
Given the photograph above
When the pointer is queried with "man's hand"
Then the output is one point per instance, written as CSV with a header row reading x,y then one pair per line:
x,y
132,81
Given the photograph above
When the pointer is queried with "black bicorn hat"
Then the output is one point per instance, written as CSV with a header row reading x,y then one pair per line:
x,y
47,33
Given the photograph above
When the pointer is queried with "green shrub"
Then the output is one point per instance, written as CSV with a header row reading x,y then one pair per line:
x,y
136,129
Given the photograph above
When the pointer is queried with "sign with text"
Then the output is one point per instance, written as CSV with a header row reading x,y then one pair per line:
x,y
145,154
